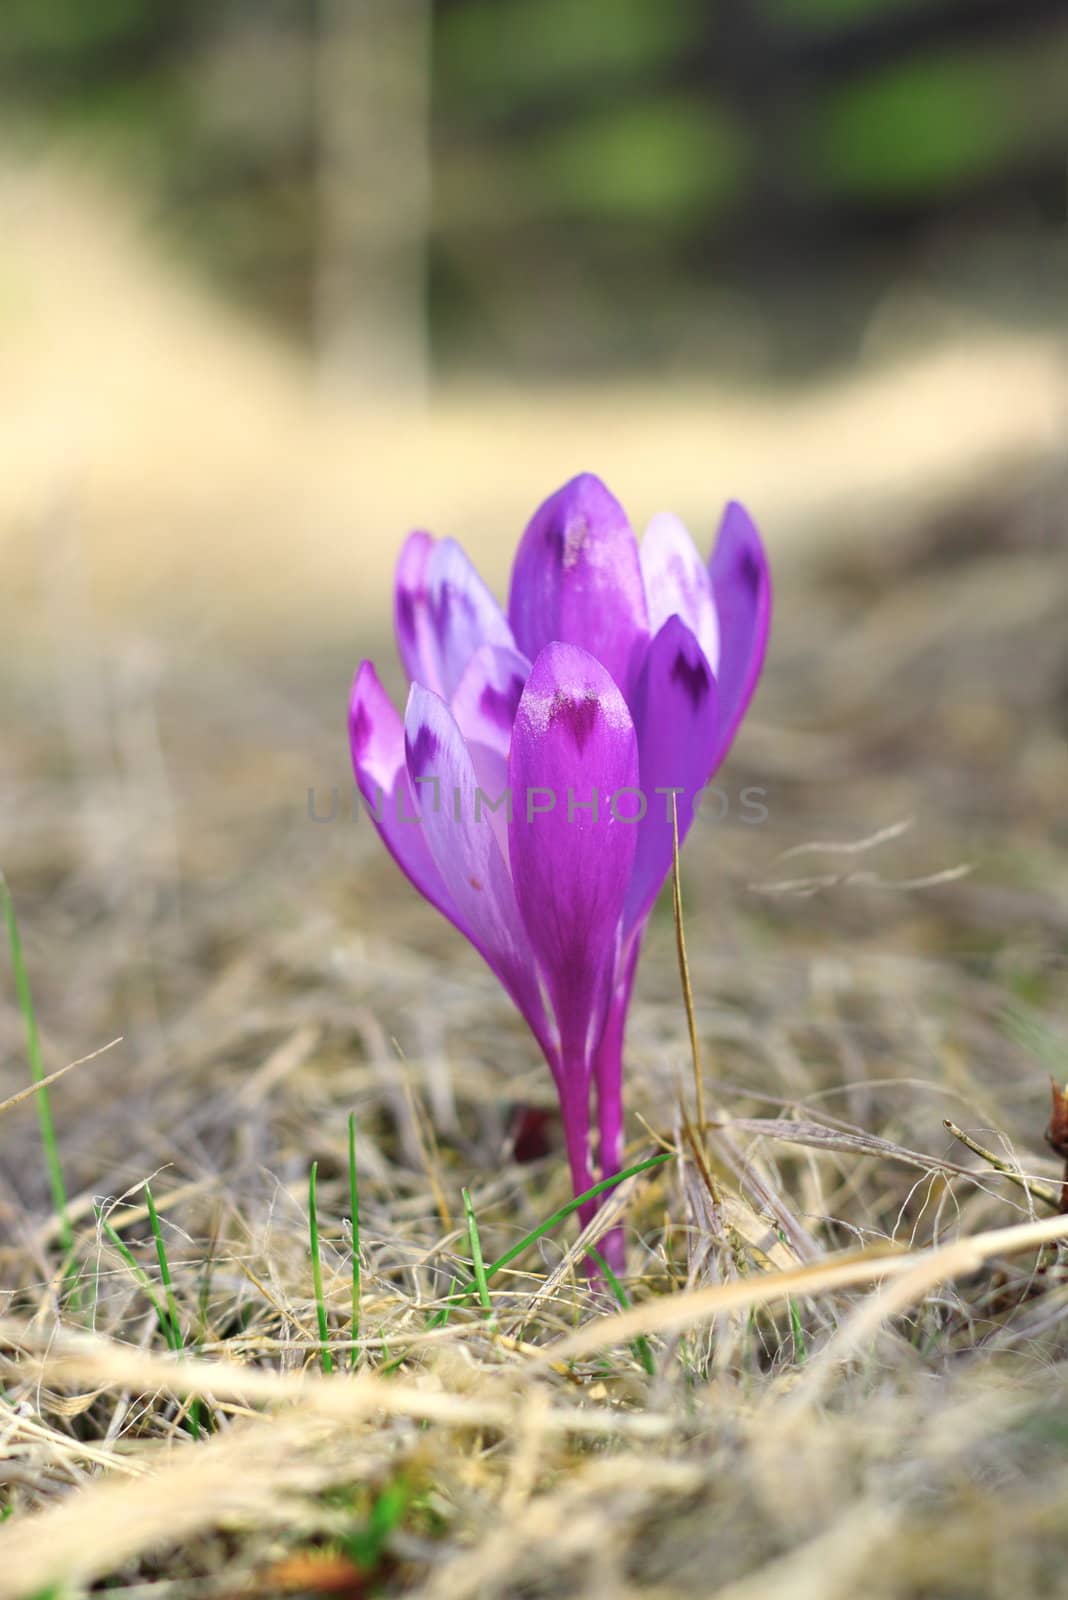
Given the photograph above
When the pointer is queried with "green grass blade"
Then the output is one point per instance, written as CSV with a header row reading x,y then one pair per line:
x,y
367,1546
174,1326
796,1329
641,1347
354,1205
139,1273
175,1338
800,1349
317,1268
37,1072
476,1256
565,1211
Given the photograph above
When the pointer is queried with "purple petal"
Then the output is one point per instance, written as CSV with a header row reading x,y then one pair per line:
x,y
677,583
464,614
411,612
741,587
444,612
676,714
376,739
577,579
488,694
573,734
484,706
462,843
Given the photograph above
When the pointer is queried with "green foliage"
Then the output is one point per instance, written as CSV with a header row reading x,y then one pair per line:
x,y
61,32
650,161
921,127
933,123
495,56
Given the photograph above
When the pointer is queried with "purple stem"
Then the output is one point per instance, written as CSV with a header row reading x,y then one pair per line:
x,y
573,1087
608,1076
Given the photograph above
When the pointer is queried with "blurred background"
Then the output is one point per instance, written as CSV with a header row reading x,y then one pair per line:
x,y
282,278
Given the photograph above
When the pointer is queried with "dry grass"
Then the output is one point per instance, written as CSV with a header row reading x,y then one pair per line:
x,y
856,1325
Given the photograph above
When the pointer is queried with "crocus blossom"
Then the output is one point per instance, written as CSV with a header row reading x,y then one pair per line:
x,y
528,791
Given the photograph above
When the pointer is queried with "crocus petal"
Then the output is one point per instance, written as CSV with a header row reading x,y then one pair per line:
x,y
463,613
462,844
577,579
444,612
411,612
677,583
376,739
573,735
484,706
488,694
676,716
741,587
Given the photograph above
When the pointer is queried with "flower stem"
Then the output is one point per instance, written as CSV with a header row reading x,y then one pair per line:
x,y
608,1077
576,1116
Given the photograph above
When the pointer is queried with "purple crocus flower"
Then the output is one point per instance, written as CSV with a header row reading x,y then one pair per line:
x,y
527,794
